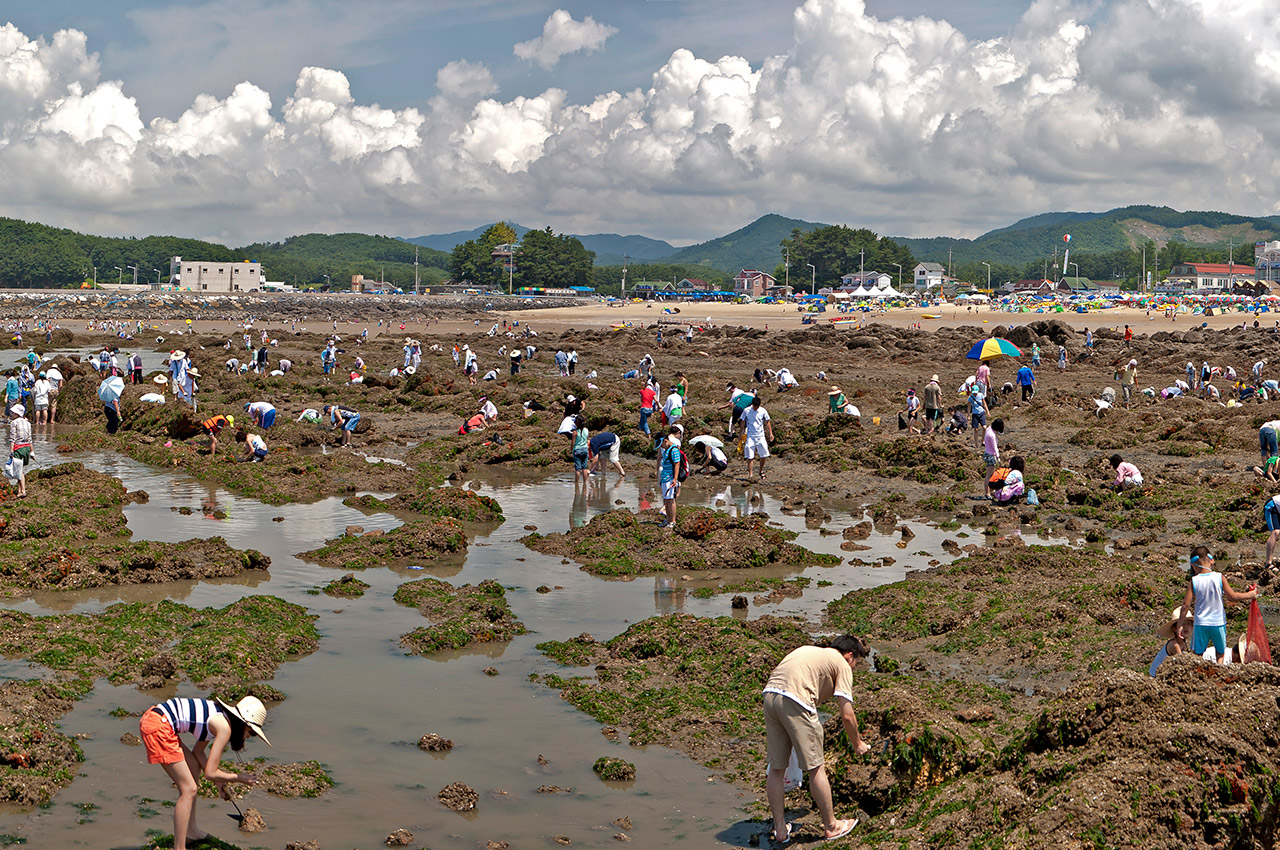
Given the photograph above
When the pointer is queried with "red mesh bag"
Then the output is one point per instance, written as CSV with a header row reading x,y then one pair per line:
x,y
1256,648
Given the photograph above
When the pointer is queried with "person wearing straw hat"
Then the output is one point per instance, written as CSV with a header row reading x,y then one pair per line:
x,y
19,446
931,396
216,725
40,398
1175,634
55,379
835,400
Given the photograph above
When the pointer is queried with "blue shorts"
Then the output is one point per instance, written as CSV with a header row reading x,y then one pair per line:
x,y
1203,636
350,424
1271,513
268,419
978,420
580,461
260,453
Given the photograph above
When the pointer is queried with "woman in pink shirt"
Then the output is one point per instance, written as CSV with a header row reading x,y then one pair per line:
x,y
1127,475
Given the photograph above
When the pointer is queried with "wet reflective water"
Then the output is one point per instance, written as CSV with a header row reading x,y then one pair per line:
x,y
359,703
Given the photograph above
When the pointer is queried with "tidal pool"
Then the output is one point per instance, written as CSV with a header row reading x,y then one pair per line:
x,y
359,703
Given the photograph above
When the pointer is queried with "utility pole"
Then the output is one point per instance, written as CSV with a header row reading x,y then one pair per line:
x,y
1142,281
988,265
813,279
415,272
786,267
624,276
899,265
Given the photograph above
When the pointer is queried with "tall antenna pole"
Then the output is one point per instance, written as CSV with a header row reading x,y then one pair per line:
x,y
415,272
624,276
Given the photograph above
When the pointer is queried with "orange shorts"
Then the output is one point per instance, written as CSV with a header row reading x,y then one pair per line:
x,y
163,746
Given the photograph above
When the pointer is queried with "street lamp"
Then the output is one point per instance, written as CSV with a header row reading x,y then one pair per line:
x,y
899,265
813,286
120,282
1077,268
134,269
157,271
326,283
988,265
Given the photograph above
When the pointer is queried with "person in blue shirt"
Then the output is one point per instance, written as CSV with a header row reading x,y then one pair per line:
x,y
12,391
1027,380
668,466
977,413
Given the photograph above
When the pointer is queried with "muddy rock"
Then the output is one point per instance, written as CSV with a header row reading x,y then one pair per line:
x,y
399,838
623,823
976,714
738,603
553,789
621,836
563,840
130,740
433,743
491,671
303,845
252,822
861,531
458,796
497,845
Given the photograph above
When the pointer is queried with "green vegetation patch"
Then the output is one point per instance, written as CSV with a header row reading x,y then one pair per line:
x,y
292,779
460,616
347,587
613,769
153,643
413,542
784,586
621,542
689,682
454,502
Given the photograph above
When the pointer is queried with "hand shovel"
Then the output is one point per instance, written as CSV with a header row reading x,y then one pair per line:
x,y
238,817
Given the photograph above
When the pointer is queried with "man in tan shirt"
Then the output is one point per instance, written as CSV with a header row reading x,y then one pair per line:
x,y
807,677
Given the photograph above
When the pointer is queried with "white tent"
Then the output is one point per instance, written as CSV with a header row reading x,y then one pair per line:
x,y
860,292
889,292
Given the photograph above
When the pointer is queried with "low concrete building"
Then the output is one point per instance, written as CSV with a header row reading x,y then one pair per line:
x,y
196,276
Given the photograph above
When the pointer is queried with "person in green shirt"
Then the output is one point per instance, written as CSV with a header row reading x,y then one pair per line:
x,y
1270,469
836,400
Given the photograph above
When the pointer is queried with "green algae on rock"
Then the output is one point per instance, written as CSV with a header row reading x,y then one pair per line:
x,y
413,542
460,616
688,682
154,643
621,542
291,779
347,587
454,502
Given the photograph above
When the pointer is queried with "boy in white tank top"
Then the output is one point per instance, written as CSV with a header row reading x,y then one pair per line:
x,y
1206,591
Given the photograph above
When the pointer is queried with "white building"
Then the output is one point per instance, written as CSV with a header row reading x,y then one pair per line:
x,y
865,280
1266,261
928,276
190,276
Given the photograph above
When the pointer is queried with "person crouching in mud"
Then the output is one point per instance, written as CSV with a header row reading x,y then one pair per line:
x,y
210,721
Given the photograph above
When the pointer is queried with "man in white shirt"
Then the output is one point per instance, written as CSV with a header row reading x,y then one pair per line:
x,y
673,408
488,409
755,419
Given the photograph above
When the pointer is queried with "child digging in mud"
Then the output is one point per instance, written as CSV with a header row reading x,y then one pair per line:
x,y
209,720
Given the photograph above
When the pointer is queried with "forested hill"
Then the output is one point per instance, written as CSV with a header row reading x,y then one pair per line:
x,y
756,246
1124,229
36,255
308,258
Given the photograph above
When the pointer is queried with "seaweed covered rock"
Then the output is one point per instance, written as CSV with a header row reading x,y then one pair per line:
x,y
459,616
454,502
687,682
413,542
219,648
620,542
36,759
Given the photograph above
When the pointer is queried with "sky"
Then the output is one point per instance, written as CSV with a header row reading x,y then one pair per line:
x,y
254,120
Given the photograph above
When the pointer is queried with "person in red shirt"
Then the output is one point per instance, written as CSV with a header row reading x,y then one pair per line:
x,y
648,398
1128,336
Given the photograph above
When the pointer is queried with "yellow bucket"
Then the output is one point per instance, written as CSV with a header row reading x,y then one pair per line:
x,y
875,420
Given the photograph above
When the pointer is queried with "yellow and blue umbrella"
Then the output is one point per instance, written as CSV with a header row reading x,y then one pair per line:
x,y
990,349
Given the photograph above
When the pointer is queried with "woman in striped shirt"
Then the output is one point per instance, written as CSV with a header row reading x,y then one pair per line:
x,y
209,720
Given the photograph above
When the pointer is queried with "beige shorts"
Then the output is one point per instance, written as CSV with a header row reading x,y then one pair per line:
x,y
789,725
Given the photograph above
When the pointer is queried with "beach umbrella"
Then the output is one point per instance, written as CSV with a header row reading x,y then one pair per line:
x,y
990,349
110,389
706,440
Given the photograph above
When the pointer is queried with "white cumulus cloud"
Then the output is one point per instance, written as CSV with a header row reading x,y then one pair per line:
x,y
561,36
903,125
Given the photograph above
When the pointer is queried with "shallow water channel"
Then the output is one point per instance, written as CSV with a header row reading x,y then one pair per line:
x,y
359,704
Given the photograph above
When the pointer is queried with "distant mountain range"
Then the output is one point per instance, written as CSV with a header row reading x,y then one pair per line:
x,y
1028,240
